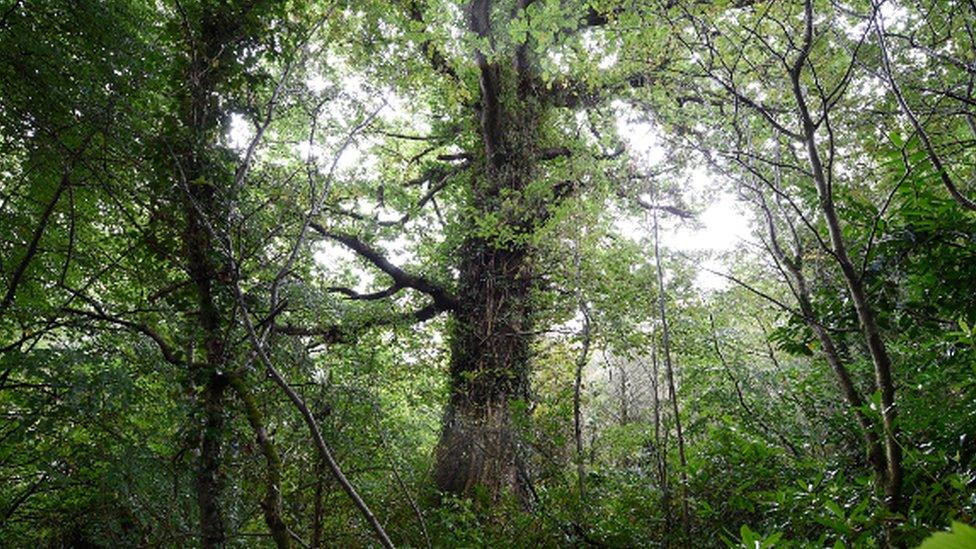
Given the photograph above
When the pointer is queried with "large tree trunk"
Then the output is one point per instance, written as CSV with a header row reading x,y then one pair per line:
x,y
209,481
199,201
492,321
197,180
489,367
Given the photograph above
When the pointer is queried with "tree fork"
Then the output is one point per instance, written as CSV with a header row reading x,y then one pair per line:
x,y
865,313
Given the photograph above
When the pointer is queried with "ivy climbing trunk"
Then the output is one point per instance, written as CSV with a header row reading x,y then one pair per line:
x,y
205,187
488,370
199,119
492,320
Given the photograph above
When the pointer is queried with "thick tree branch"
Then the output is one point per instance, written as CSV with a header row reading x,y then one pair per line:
x,y
170,354
345,333
442,298
438,61
356,296
674,210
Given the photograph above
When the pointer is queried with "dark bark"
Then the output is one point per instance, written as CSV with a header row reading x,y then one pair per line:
x,y
492,319
197,181
660,450
581,361
318,511
23,497
624,408
489,363
207,377
209,481
21,268
401,278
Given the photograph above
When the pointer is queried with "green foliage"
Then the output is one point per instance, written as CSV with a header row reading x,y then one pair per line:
x,y
961,536
126,164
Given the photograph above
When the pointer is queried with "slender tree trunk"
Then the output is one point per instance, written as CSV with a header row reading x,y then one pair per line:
x,y
318,512
624,408
669,371
313,426
875,455
197,181
271,504
578,430
581,361
32,247
209,478
872,336
865,313
208,376
661,451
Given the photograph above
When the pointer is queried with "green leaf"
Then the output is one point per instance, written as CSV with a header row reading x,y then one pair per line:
x,y
747,536
772,540
961,537
835,509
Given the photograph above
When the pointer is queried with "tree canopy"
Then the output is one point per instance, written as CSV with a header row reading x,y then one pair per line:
x,y
443,273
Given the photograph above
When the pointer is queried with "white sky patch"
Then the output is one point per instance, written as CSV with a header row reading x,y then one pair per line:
x,y
317,84
607,62
894,16
721,227
723,224
240,133
308,151
385,215
724,227
641,136
558,61
399,252
354,158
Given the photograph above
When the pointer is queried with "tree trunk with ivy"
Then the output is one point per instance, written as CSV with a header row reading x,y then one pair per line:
x,y
204,186
196,187
492,321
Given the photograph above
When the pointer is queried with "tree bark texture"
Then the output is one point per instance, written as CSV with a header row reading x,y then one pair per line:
x,y
492,319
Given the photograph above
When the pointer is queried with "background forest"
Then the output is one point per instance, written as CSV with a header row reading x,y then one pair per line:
x,y
487,273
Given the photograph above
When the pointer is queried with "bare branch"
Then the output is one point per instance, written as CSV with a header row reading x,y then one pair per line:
x,y
442,298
